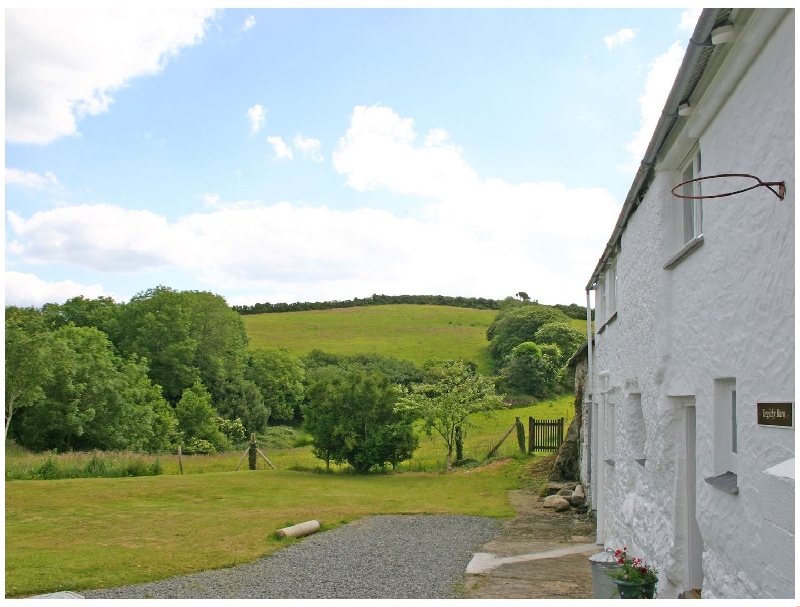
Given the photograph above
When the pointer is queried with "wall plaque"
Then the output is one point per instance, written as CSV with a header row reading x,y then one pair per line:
x,y
776,414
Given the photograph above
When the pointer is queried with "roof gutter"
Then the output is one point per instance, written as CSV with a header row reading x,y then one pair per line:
x,y
669,115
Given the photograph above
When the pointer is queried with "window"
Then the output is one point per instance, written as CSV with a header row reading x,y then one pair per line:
x,y
688,212
611,433
726,441
611,290
692,212
607,293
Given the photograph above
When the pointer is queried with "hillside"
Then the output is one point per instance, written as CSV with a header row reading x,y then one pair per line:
x,y
413,332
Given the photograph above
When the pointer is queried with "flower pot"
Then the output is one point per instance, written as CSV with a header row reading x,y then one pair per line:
x,y
634,590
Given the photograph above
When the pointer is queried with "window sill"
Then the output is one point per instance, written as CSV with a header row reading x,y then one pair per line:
x,y
606,323
726,482
690,246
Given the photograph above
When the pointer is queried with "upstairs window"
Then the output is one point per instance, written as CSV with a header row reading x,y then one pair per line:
x,y
692,212
610,286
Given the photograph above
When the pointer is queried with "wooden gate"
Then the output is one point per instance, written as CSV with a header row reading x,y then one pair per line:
x,y
545,434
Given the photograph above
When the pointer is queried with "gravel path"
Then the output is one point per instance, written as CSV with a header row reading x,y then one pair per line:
x,y
378,557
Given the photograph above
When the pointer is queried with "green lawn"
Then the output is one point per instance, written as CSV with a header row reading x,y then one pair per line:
x,y
413,332
79,534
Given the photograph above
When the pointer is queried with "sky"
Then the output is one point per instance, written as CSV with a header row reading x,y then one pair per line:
x,y
281,155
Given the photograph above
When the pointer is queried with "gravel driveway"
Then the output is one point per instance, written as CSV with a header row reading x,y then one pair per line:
x,y
378,557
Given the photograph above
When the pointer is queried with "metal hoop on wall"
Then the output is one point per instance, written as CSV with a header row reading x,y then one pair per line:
x,y
781,193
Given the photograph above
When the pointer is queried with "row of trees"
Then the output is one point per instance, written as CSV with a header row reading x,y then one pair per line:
x,y
167,367
480,303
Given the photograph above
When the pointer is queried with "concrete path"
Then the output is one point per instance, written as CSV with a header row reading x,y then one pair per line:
x,y
540,554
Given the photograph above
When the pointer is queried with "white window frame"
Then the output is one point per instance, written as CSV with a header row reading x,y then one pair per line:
x,y
691,224
688,213
726,431
610,286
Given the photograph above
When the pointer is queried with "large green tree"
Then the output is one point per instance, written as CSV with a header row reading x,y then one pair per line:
x,y
352,419
453,391
185,336
197,419
532,369
279,376
28,345
516,325
94,399
562,334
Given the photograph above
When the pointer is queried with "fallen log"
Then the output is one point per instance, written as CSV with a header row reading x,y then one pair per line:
x,y
299,530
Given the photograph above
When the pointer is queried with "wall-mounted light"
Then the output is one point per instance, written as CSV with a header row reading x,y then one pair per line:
x,y
684,109
722,34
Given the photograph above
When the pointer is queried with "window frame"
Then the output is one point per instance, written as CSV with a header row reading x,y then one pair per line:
x,y
687,240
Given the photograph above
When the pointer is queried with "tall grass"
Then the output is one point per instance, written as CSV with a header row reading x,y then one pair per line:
x,y
50,466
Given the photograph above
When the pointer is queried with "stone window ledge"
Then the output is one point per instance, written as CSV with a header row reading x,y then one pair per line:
x,y
611,319
726,482
690,246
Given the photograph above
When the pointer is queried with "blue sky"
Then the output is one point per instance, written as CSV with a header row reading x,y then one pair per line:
x,y
315,154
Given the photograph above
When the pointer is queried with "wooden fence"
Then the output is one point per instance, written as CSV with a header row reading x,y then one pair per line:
x,y
545,434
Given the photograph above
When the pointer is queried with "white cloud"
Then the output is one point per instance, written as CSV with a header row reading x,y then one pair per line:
x,y
64,64
621,37
249,22
257,116
479,237
103,237
651,103
281,149
309,148
33,181
689,18
28,290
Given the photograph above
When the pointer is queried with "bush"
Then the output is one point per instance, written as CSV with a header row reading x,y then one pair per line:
x,y
352,419
198,446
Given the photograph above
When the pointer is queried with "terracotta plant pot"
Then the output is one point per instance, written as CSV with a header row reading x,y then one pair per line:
x,y
634,590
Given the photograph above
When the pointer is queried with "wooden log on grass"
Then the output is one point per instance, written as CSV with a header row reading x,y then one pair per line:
x,y
299,530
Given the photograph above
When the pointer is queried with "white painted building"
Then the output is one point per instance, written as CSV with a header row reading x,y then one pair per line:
x,y
693,362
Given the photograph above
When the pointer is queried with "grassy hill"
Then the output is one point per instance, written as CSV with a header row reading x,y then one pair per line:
x,y
413,332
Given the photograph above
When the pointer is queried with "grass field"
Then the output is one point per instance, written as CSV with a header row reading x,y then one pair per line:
x,y
78,534
414,332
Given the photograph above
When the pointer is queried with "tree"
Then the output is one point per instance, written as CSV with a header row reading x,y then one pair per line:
x,y
185,336
513,326
94,399
562,334
197,418
100,313
523,296
352,419
28,346
279,376
242,399
532,369
451,393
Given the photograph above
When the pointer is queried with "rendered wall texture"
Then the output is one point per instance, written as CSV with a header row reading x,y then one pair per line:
x,y
724,311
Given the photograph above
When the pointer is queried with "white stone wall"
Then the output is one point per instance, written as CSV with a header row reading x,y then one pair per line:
x,y
724,311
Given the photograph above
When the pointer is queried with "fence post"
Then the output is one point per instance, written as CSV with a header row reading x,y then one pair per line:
x,y
180,460
530,434
252,452
520,435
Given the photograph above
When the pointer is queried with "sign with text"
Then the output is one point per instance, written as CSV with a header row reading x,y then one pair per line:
x,y
776,414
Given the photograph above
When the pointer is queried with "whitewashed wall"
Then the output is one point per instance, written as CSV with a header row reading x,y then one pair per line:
x,y
726,310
